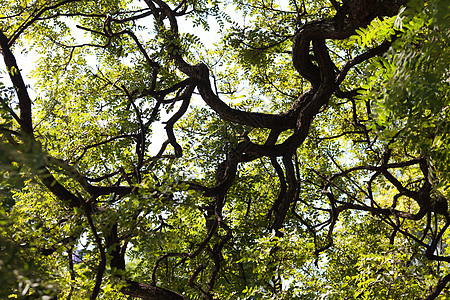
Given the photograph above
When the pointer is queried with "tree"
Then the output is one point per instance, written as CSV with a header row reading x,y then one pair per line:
x,y
315,167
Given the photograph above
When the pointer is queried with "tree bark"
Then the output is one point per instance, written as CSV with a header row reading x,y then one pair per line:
x,y
149,292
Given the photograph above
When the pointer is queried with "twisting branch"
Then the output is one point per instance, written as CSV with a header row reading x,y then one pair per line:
x,y
186,97
311,59
33,18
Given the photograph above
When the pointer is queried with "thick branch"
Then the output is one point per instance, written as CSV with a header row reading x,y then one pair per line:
x,y
19,85
149,292
439,287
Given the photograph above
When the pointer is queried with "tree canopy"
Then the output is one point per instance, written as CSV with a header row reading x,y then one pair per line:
x,y
302,155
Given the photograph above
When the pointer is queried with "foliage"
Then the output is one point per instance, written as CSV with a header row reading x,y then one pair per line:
x,y
304,155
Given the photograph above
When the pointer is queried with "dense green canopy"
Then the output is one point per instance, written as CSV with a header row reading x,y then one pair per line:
x,y
193,149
